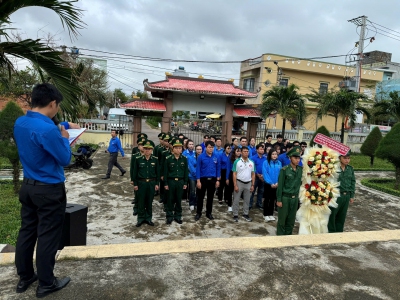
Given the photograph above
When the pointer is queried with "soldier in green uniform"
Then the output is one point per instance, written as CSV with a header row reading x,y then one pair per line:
x,y
162,153
160,145
145,180
347,188
176,172
287,195
140,143
136,149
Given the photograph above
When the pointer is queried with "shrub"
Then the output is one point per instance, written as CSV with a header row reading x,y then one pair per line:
x,y
371,144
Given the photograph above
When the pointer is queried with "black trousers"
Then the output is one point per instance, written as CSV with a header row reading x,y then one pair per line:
x,y
269,199
42,218
222,186
209,187
113,162
229,190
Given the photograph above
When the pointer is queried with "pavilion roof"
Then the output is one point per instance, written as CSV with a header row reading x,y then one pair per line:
x,y
145,105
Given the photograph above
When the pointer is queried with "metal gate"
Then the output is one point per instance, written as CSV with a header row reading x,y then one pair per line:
x,y
195,129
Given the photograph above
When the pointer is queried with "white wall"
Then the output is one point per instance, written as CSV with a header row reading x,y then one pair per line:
x,y
212,104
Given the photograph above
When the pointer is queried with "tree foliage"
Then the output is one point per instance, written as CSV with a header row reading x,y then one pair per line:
x,y
390,107
120,95
21,84
48,62
371,144
8,147
287,102
322,130
388,148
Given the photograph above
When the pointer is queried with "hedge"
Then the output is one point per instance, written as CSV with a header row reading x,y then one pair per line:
x,y
381,184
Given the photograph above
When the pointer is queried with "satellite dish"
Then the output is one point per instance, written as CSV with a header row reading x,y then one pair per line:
x,y
267,83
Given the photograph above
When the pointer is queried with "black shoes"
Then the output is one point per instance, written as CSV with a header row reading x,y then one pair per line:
x,y
23,285
122,173
107,177
58,284
178,221
169,222
135,213
150,223
138,224
210,216
197,217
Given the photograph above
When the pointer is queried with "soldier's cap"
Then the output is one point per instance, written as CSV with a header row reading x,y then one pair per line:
x,y
141,141
347,154
176,142
142,135
295,151
166,137
149,144
160,135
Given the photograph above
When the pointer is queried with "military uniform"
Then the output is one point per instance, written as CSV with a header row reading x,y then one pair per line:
x,y
162,153
139,142
139,137
175,174
145,176
347,188
289,183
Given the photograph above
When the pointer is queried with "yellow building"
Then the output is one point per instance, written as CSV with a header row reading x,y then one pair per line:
x,y
260,74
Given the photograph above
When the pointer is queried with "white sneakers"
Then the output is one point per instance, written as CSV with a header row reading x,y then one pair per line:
x,y
269,218
191,207
230,209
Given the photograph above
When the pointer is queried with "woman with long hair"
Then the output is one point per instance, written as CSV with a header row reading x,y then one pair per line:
x,y
271,168
224,161
235,154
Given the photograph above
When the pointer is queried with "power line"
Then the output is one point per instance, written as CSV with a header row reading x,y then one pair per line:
x,y
384,27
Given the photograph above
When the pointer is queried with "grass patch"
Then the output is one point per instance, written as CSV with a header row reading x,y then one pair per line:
x,y
10,219
381,184
5,163
361,162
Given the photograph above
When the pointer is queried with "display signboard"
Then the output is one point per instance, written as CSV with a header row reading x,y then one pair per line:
x,y
331,143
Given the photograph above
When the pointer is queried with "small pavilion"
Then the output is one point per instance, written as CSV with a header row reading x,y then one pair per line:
x,y
179,93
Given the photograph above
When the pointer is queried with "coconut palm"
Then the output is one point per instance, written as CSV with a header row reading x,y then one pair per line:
x,y
286,101
390,107
44,59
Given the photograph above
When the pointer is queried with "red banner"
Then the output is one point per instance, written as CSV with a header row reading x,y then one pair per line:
x,y
331,143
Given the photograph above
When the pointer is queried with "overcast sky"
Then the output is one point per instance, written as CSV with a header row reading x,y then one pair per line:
x,y
213,30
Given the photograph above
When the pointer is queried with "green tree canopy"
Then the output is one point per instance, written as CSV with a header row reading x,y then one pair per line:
x,y
287,102
389,108
322,130
119,94
8,148
45,60
371,143
388,148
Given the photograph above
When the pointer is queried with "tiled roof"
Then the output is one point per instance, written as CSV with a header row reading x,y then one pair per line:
x,y
246,112
145,105
196,85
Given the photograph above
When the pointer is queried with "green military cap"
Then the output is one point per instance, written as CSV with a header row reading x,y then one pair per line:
x,y
295,151
176,142
141,141
160,135
148,144
347,154
142,135
167,137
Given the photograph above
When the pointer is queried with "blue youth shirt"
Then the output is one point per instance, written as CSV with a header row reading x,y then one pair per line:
x,y
208,166
115,146
258,161
42,149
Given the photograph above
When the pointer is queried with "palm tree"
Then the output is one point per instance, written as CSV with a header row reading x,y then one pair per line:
x,y
390,107
286,101
348,103
44,59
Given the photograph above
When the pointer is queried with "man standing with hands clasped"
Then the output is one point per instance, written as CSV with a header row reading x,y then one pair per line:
x,y
113,148
347,188
43,151
287,195
243,170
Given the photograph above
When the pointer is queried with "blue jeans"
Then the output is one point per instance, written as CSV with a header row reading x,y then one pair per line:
x,y
259,186
192,192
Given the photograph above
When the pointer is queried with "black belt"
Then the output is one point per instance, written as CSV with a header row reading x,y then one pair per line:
x,y
290,195
175,178
112,153
37,182
208,178
146,179
245,182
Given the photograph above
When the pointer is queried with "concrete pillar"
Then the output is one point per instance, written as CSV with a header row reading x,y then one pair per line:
x,y
346,137
167,115
300,133
227,123
137,127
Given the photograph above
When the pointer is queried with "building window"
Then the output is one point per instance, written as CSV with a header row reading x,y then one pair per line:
x,y
323,88
284,82
248,84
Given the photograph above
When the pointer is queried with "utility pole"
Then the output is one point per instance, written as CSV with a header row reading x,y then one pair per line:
x,y
362,22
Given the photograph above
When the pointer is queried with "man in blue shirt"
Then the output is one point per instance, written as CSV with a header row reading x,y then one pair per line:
x,y
208,174
113,148
218,150
43,150
258,159
205,139
252,147
285,159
